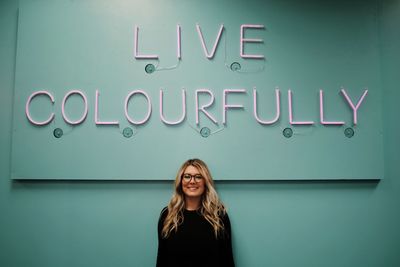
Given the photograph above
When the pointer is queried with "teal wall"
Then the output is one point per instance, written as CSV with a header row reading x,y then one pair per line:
x,y
338,43
99,223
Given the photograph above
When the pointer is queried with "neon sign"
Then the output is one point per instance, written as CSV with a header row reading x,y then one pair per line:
x,y
207,53
354,106
199,108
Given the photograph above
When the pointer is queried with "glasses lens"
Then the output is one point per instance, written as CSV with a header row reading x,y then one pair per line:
x,y
198,177
187,177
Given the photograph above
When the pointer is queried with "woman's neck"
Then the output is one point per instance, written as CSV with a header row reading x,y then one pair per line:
x,y
192,203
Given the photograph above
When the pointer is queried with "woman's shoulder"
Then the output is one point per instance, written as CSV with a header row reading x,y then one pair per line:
x,y
163,213
225,218
164,210
223,213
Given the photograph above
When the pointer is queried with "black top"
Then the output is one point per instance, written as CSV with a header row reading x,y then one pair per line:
x,y
195,244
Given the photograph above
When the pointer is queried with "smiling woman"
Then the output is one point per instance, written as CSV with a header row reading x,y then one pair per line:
x,y
194,230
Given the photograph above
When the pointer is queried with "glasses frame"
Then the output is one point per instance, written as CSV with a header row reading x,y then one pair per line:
x,y
197,180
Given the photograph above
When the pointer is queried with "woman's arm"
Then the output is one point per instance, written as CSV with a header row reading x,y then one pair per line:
x,y
227,254
161,253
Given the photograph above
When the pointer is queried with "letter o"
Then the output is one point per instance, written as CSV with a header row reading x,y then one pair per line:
x,y
148,107
63,107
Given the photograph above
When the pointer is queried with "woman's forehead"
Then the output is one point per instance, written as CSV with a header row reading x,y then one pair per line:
x,y
191,170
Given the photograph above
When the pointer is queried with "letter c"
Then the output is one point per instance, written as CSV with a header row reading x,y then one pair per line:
x,y
28,114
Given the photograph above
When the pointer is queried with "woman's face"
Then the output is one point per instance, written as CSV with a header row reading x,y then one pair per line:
x,y
193,184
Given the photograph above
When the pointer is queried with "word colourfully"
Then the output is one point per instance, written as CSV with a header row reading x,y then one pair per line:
x,y
199,107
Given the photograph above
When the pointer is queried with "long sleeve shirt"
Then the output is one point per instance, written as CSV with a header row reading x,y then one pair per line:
x,y
195,244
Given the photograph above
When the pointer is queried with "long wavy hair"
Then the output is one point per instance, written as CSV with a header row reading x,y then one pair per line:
x,y
211,207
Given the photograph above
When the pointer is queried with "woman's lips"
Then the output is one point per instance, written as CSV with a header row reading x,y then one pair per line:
x,y
193,188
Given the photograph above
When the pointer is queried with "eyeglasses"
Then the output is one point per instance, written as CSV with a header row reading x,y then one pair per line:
x,y
188,177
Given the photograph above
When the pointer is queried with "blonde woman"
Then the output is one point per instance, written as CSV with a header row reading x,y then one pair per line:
x,y
194,230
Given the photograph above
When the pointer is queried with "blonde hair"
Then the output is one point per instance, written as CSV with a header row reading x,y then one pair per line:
x,y
211,207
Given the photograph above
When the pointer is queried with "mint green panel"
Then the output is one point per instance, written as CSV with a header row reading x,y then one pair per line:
x,y
89,46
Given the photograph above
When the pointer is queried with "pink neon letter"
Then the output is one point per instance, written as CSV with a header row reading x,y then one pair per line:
x,y
226,106
321,111
28,114
209,55
178,45
148,107
63,107
96,113
243,40
183,109
203,107
354,108
291,112
136,48
278,108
